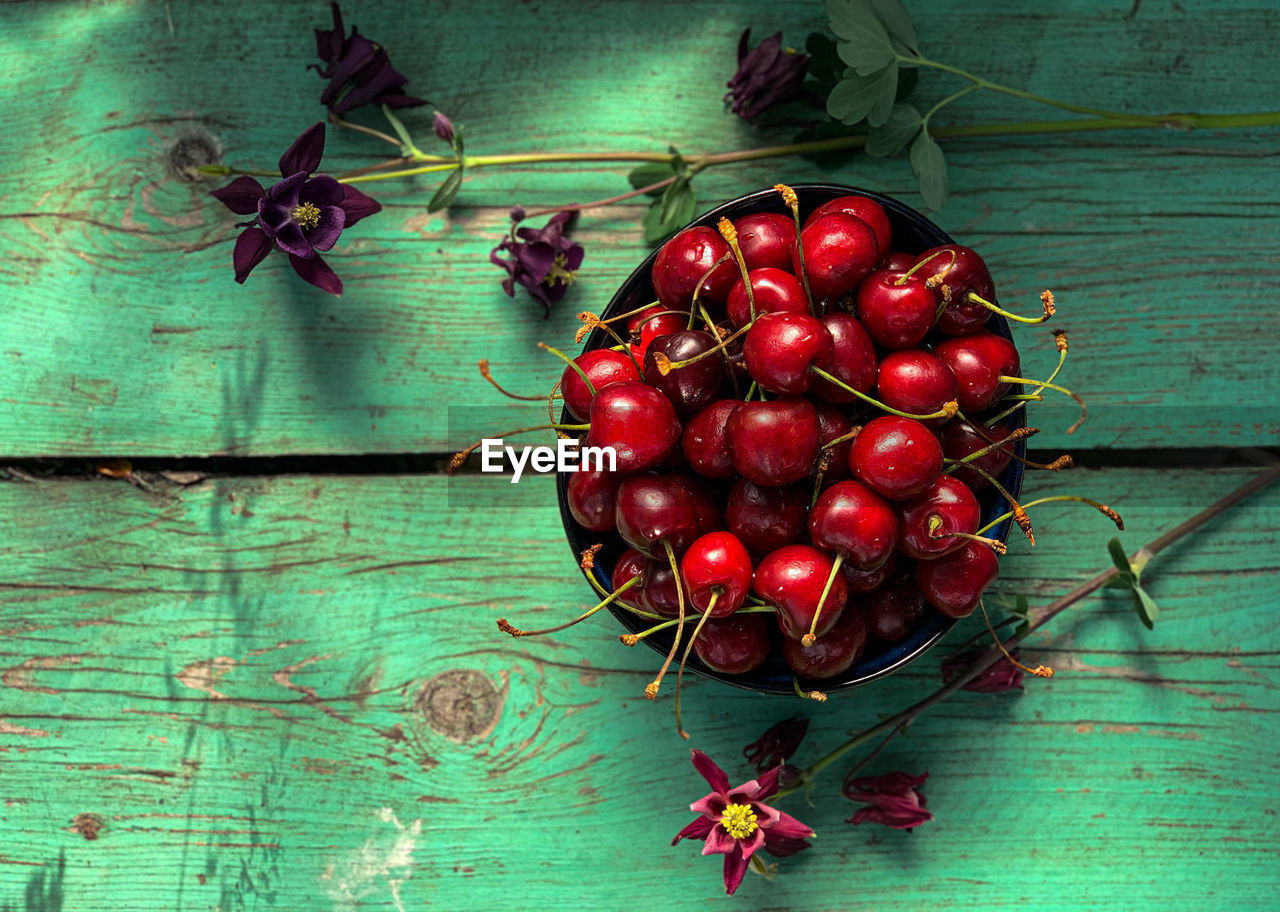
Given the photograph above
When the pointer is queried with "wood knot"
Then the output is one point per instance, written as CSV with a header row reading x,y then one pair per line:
x,y
461,704
189,151
89,826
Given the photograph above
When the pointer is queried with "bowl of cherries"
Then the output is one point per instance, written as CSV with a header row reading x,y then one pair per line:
x,y
811,394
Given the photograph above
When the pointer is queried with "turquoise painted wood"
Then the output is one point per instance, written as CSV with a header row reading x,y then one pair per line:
x,y
289,692
123,332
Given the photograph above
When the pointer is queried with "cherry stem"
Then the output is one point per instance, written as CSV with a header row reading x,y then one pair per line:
x,y
715,594
631,639
507,628
597,323
898,721
1015,435
730,234
815,695
1045,384
484,372
1046,298
551,398
933,256
1040,671
948,410
651,689
793,203
591,387
1061,339
461,457
666,365
697,289
857,429
1060,498
1017,510
808,638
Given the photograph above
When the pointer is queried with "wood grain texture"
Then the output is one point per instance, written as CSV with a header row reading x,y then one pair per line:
x,y
288,692
123,333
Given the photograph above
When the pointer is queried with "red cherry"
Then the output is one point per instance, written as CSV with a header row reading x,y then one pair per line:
x,y
832,425
705,506
766,518
864,208
658,591
652,509
896,310
917,382
716,563
706,440
651,323
962,271
978,361
781,347
861,581
928,520
954,583
691,386
839,250
592,497
733,645
684,260
851,519
960,439
853,359
896,457
792,580
637,421
897,261
629,566
766,239
774,443
775,290
894,609
832,654
602,366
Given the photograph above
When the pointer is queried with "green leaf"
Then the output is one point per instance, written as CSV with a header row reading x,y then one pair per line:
x,y
897,20
856,98
825,67
1118,557
447,191
898,130
650,173
1120,581
672,211
857,23
865,60
457,140
930,167
1145,606
1022,628
406,141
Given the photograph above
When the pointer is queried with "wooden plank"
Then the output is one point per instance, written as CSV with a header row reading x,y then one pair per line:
x,y
123,332
289,691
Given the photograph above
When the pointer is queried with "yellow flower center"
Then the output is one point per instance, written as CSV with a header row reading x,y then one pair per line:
x,y
307,215
738,820
558,273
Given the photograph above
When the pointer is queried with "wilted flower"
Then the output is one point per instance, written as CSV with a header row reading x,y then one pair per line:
x,y
300,214
768,75
777,745
736,823
543,261
893,798
358,71
999,677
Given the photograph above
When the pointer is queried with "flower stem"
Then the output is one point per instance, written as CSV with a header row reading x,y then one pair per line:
x,y
898,721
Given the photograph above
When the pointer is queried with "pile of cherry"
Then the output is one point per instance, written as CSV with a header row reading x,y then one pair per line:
x,y
800,430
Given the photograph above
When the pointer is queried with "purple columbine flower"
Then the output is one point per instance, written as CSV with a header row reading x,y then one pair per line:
x,y
998,678
543,261
736,823
300,215
893,798
358,71
768,75
777,745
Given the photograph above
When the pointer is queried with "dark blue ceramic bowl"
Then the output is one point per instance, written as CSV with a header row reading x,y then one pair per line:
x,y
912,233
